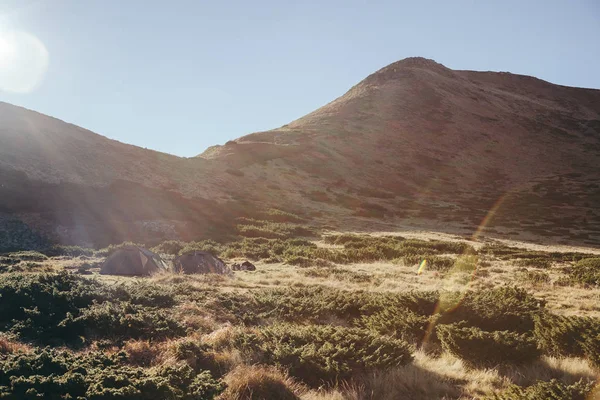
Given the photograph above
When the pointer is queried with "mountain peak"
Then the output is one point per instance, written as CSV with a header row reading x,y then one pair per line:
x,y
401,68
415,62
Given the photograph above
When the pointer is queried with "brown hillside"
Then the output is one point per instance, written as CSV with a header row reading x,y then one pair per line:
x,y
414,143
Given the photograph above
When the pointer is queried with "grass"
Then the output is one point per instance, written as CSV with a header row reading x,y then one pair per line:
x,y
346,316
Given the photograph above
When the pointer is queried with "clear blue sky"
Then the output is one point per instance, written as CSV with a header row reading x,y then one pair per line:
x,y
179,76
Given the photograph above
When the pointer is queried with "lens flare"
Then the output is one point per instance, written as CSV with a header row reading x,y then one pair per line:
x,y
461,275
23,61
422,267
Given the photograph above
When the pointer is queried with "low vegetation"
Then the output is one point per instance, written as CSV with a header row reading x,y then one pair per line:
x,y
318,319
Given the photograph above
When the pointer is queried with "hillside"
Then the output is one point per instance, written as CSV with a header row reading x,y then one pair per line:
x,y
414,144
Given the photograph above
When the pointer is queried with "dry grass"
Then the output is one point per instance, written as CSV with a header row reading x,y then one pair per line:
x,y
259,382
446,377
9,346
428,377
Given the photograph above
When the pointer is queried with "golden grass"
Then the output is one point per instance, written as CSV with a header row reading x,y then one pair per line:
x,y
259,382
446,377
428,377
9,346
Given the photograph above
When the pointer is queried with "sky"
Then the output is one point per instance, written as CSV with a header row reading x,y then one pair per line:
x,y
179,76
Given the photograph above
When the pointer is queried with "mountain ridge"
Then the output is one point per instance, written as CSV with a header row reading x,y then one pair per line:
x,y
414,142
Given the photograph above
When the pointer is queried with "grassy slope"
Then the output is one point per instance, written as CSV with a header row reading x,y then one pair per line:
x,y
211,310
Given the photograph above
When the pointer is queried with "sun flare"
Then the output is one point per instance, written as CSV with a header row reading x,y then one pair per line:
x,y
23,61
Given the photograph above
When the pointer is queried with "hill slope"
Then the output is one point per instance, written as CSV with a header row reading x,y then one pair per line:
x,y
414,143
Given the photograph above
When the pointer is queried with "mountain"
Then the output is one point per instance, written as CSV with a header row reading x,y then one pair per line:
x,y
415,144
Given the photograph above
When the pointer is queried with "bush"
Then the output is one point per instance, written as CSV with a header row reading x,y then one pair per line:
x,y
123,320
534,262
172,247
319,354
586,271
535,277
551,390
504,308
564,336
113,247
274,230
591,347
482,348
69,251
320,304
29,256
94,375
55,308
276,215
398,323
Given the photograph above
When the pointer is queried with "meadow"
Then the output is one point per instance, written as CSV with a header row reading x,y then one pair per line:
x,y
325,316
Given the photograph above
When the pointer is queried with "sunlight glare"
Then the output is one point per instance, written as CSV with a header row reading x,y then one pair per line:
x,y
23,61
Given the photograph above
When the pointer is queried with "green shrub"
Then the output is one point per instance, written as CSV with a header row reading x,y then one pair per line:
x,y
320,304
586,271
69,251
465,263
29,256
508,253
172,247
274,230
534,277
111,249
551,390
319,354
534,262
16,235
276,215
482,348
398,323
57,374
591,347
123,320
504,308
49,308
327,271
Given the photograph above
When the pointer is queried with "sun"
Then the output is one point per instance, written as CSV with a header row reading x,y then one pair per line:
x,y
7,50
23,61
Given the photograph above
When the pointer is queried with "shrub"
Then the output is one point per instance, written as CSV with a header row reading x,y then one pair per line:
x,y
326,270
55,308
586,271
110,249
465,263
29,256
95,375
69,251
320,304
319,354
123,320
591,347
275,230
198,356
482,348
535,277
259,382
276,215
553,389
16,235
172,247
504,308
534,262
398,323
